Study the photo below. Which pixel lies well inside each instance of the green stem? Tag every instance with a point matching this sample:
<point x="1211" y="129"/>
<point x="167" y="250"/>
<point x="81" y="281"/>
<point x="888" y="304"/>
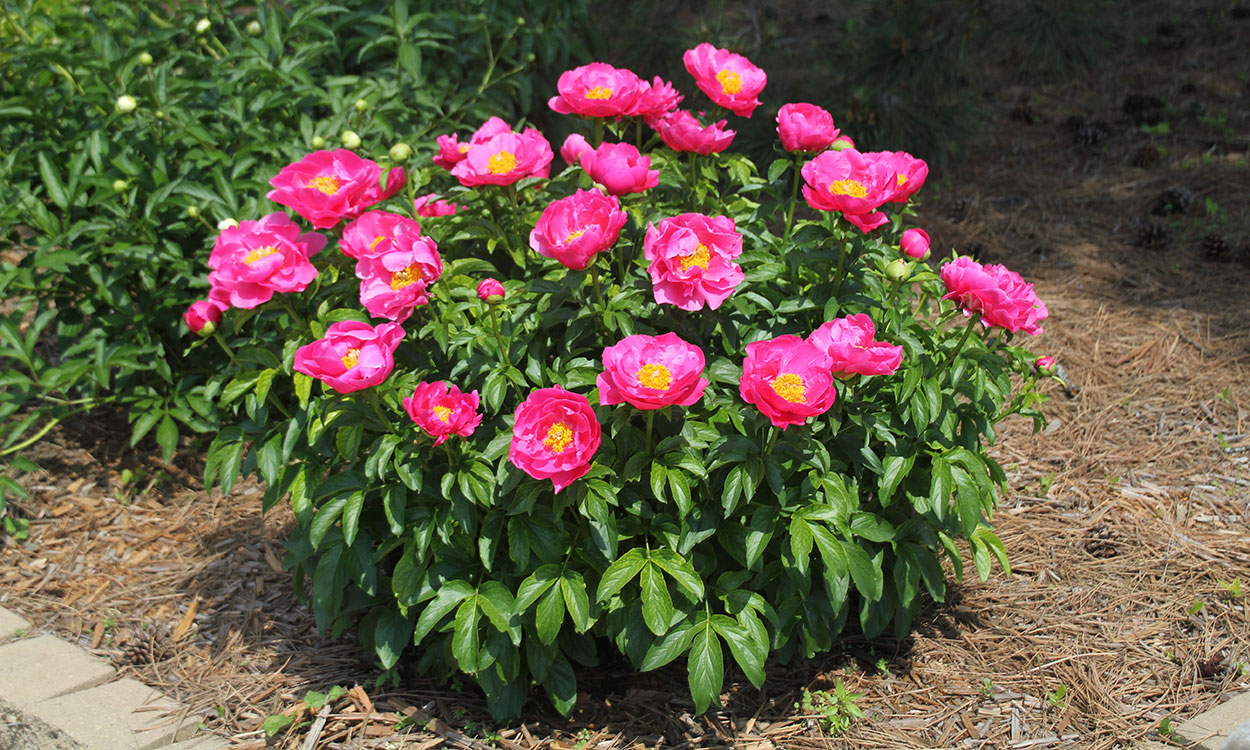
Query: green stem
<point x="494" y="321"/>
<point x="598" y="131"/>
<point x="221" y="341"/>
<point x="963" y="340"/>
<point x="650" y="420"/>
<point x="794" y="200"/>
<point x="594" y="281"/>
<point x="840" y="273"/>
<point x="291" y="310"/>
<point x="772" y="440"/>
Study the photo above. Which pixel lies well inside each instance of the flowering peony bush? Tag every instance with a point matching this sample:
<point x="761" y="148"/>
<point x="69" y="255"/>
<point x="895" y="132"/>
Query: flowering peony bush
<point x="637" y="402"/>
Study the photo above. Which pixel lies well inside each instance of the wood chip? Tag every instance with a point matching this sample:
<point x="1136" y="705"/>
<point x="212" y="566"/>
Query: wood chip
<point x="184" y="625"/>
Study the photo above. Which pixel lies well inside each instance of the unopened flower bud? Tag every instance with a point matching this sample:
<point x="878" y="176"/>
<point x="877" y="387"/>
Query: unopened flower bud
<point x="842" y="144"/>
<point x="915" y="244"/>
<point x="193" y="211"/>
<point x="119" y="186"/>
<point x="253" y="28"/>
<point x="126" y="103"/>
<point x="899" y="270"/>
<point x="203" y="25"/>
<point x="490" y="291"/>
<point x="227" y="223"/>
<point x="350" y="139"/>
<point x="520" y="20"/>
<point x="318" y="142"/>
<point x="202" y="317"/>
<point x="531" y="57"/>
<point x="400" y="153"/>
<point x="361" y="105"/>
<point x="1045" y="365"/>
<point x="145" y="58"/>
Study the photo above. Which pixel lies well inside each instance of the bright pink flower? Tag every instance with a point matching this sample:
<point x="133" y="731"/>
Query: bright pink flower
<point x="257" y="258"/>
<point x="849" y="343"/>
<point x="450" y="151"/>
<point x="504" y="157"/>
<point x="327" y="186"/>
<point x="805" y="127"/>
<point x="730" y="80"/>
<point x="490" y="290"/>
<point x="597" y="90"/>
<point x="787" y="379"/>
<point x="620" y="168"/>
<point x="352" y="356"/>
<point x="651" y="372"/>
<point x="915" y="243"/>
<point x="680" y="131"/>
<point x="377" y="232"/>
<point x="393" y="281"/>
<point x="442" y="410"/>
<point x="574" y="146"/>
<point x="909" y="174"/>
<point x="849" y="182"/>
<point x="202" y="317"/>
<point x="1045" y="365"/>
<point x="430" y="205"/>
<point x="1000" y="296"/>
<point x="554" y="436"/>
<point x="692" y="260"/>
<point x="574" y="229"/>
<point x="658" y="98"/>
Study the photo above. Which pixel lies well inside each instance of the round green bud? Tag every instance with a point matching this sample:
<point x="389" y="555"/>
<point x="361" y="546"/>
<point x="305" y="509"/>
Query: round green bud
<point x="318" y="142"/>
<point x="227" y="223"/>
<point x="203" y="25"/>
<point x="520" y="20"/>
<point x="400" y="153"/>
<point x="160" y="114"/>
<point x="531" y="57"/>
<point x="193" y="211"/>
<point x="350" y="139"/>
<point x="253" y="28"/>
<point x="119" y="186"/>
<point x="145" y="58"/>
<point x="126" y="103"/>
<point x="898" y="270"/>
<point x="361" y="105"/>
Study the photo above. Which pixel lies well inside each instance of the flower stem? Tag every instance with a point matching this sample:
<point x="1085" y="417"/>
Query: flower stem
<point x="598" y="135"/>
<point x="225" y="347"/>
<point x="772" y="440"/>
<point x="794" y="200"/>
<point x="650" y="420"/>
<point x="494" y="321"/>
<point x="594" y="281"/>
<point x="291" y="310"/>
<point x="963" y="340"/>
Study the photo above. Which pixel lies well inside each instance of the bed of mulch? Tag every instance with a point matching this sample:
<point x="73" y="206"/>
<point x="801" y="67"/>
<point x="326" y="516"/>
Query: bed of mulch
<point x="1128" y="518"/>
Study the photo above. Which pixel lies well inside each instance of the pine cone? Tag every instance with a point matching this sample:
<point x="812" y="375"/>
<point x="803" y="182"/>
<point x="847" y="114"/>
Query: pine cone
<point x="1151" y="234"/>
<point x="1172" y="201"/>
<point x="1145" y="156"/>
<point x="1216" y="248"/>
<point x="958" y="211"/>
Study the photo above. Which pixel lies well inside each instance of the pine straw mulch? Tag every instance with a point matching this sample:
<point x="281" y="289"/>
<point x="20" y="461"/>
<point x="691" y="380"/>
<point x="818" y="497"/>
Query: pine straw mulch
<point x="1125" y="519"/>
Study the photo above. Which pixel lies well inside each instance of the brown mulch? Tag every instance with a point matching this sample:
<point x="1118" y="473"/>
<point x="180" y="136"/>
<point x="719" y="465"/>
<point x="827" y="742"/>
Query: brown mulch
<point x="1126" y="518"/>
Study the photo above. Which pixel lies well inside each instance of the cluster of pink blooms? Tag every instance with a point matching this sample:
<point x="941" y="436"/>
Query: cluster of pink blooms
<point x="691" y="260"/>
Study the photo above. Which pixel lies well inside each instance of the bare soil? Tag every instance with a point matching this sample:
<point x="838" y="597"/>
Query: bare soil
<point x="1128" y="518"/>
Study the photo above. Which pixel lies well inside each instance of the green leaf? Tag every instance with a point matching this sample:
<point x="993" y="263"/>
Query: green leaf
<point x="549" y="615"/>
<point x="668" y="647"/>
<point x="275" y="724"/>
<point x="303" y="388"/>
<point x="347" y="441"/>
<point x="449" y="595"/>
<point x="325" y="518"/>
<point x="865" y="571"/>
<point x="681" y="491"/>
<point x="466" y="641"/>
<point x="745" y="650"/>
<point x="658" y="476"/>
<point x="497" y="604"/>
<point x="351" y="516"/>
<point x="706" y="667"/>
<point x="620" y="573"/>
<point x="390" y="636"/>
<point x="52" y="183"/>
<point x="167" y="438"/>
<point x="314" y="699"/>
<point x="561" y="685"/>
<point x="657" y="603"/>
<point x="681" y="571"/>
<point x="800" y="544"/>
<point x="872" y="527"/>
<point x="573" y="586"/>
<point x="534" y="586"/>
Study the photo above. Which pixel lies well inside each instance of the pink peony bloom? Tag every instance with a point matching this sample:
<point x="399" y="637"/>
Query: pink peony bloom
<point x="352" y="356"/>
<point x="574" y="146"/>
<point x="450" y="151"/>
<point x="849" y="344"/>
<point x="680" y="131"/>
<point x="393" y="281"/>
<point x="202" y="317"/>
<point x="257" y="258"/>
<point x="915" y="244"/>
<point x="909" y="174"/>
<point x="658" y="98"/>
<point x="377" y="232"/>
<point x="850" y="182"/>
<point x="490" y="291"/>
<point x="620" y="168"/>
<point x="787" y="379"/>
<point x="554" y="436"/>
<point x="651" y="372"/>
<point x="597" y="90"/>
<point x="430" y="205"/>
<point x="999" y="296"/>
<point x="327" y="186"/>
<point x="805" y="127"/>
<point x="576" y="228"/>
<point x="730" y="80"/>
<point x="692" y="260"/>
<point x="442" y="410"/>
<point x="498" y="156"/>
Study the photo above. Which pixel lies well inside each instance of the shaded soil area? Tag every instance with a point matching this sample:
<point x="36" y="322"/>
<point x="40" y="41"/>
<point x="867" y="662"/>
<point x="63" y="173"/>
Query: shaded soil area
<point x="1128" y="518"/>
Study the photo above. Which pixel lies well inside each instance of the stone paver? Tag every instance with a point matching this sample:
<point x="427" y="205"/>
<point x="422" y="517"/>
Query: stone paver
<point x="107" y="717"/>
<point x="36" y="669"/>
<point x="207" y="742"/>
<point x="11" y="625"/>
<point x="1209" y="730"/>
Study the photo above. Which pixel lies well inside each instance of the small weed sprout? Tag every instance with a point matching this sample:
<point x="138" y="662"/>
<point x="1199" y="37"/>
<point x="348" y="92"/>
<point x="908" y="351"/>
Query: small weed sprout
<point x="1057" y="698"/>
<point x="1232" y="588"/>
<point x="987" y="687"/>
<point x="835" y="710"/>
<point x="1196" y="607"/>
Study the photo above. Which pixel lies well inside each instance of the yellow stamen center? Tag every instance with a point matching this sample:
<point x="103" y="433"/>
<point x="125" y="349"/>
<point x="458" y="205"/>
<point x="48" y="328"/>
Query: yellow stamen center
<point x="325" y="183"/>
<point x="464" y="148"/>
<point x="349" y="359"/>
<point x="443" y="413"/>
<point x="730" y="82"/>
<point x="575" y="235"/>
<point x="853" y="188"/>
<point x="258" y="253"/>
<point x="599" y="92"/>
<point x="376" y="240"/>
<point x="902" y="179"/>
<point x="790" y="387"/>
<point x="656" y="377"/>
<point x="501" y="163"/>
<point x="558" y="437"/>
<point x="405" y="277"/>
<point x="700" y="257"/>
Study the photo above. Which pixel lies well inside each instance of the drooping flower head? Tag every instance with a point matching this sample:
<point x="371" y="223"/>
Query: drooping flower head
<point x="442" y="410"/>
<point x="998" y="295"/>
<point x="554" y="436"/>
<point x="849" y="343"/>
<point x="619" y="168"/>
<point x="728" y="79"/>
<point x="849" y="182"/>
<point x="257" y="258"/>
<point x="681" y="131"/>
<point x="597" y="90"/>
<point x="915" y="243"/>
<point x="430" y="204"/>
<point x="805" y="127"/>
<point x="377" y="232"/>
<point x="504" y="157"/>
<point x="651" y="372"/>
<point x="352" y="355"/>
<point x="576" y="228"/>
<point x="787" y="379"/>
<point x="327" y="186"/>
<point x="658" y="98"/>
<point x="692" y="260"/>
<point x="393" y="281"/>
